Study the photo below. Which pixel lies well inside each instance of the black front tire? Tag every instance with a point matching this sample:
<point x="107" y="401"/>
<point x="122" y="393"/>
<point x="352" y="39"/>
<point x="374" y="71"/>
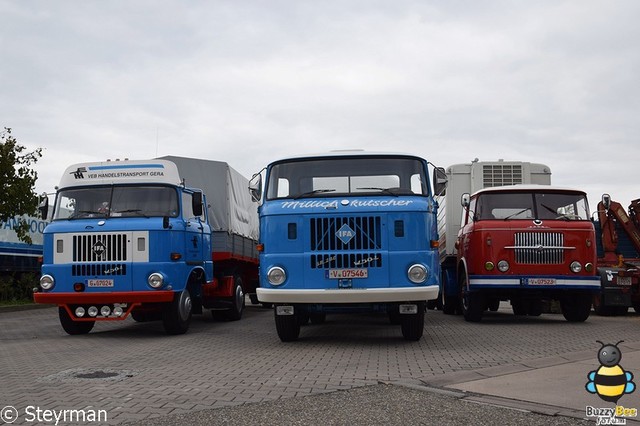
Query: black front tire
<point x="413" y="324"/>
<point x="72" y="327"/>
<point x="472" y="303"/>
<point x="287" y="326"/>
<point x="576" y="307"/>
<point x="176" y="315"/>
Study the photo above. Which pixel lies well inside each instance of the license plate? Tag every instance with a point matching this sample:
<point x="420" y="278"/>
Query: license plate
<point x="541" y="281"/>
<point x="99" y="283"/>
<point x="625" y="281"/>
<point x="339" y="274"/>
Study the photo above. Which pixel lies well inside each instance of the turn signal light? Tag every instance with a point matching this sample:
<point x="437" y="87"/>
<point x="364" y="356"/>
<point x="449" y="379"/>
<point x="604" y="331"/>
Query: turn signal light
<point x="260" y="247"/>
<point x="176" y="256"/>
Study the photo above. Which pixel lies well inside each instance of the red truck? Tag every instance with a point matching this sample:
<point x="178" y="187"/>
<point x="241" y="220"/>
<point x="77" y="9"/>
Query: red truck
<point x="516" y="239"/>
<point x="618" y="243"/>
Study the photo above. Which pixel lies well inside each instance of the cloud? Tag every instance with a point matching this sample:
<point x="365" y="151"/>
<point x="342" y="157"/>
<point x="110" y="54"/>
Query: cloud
<point x="249" y="82"/>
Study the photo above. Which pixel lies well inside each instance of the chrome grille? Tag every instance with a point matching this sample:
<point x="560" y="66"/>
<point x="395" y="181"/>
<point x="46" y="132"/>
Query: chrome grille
<point x="100" y="248"/>
<point x="366" y="233"/>
<point x="346" y="260"/>
<point x="539" y="248"/>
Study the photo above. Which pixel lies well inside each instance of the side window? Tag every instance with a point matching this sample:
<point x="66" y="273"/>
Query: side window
<point x="187" y="211"/>
<point x="468" y="214"/>
<point x="283" y="188"/>
<point x="416" y="184"/>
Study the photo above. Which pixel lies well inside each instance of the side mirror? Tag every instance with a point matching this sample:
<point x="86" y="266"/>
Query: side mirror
<point x="197" y="204"/>
<point x="465" y="200"/>
<point x="439" y="181"/>
<point x="43" y="206"/>
<point x="255" y="187"/>
<point x="606" y="201"/>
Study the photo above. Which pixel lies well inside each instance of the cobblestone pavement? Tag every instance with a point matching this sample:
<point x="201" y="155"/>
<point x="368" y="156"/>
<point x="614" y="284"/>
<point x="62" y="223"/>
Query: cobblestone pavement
<point x="134" y="371"/>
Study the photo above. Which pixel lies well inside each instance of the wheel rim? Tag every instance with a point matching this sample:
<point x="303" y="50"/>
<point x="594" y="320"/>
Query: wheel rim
<point x="464" y="295"/>
<point x="185" y="305"/>
<point x="239" y="298"/>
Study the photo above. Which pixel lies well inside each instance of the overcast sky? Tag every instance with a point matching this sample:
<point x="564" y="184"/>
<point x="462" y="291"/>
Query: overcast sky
<point x="247" y="82"/>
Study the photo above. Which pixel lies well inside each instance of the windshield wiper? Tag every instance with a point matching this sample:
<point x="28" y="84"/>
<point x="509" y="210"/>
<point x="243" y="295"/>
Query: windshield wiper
<point x="83" y="213"/>
<point x="517" y="213"/>
<point x="132" y="211"/>
<point x="385" y="190"/>
<point x="315" y="191"/>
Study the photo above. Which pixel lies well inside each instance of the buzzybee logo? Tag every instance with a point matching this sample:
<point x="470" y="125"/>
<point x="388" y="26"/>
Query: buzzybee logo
<point x="610" y="382"/>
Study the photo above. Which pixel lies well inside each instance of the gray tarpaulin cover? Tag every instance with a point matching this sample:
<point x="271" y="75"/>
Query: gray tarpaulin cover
<point x="231" y="208"/>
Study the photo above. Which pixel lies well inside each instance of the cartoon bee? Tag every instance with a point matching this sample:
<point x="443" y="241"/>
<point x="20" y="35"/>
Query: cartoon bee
<point x="610" y="381"/>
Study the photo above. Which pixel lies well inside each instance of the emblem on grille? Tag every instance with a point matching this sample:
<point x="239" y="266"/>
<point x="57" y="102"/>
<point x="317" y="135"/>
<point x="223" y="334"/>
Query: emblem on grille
<point x="98" y="248"/>
<point x="345" y="234"/>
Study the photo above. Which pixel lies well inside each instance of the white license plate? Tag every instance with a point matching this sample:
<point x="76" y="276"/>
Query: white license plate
<point x="541" y="281"/>
<point x="625" y="281"/>
<point x="339" y="274"/>
<point x="99" y="283"/>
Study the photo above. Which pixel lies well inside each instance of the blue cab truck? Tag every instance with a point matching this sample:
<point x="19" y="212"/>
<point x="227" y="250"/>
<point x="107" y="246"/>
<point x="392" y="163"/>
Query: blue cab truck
<point x="347" y="232"/>
<point x="156" y="239"/>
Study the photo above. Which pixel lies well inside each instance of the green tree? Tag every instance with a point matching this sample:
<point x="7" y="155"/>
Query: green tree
<point x="17" y="195"/>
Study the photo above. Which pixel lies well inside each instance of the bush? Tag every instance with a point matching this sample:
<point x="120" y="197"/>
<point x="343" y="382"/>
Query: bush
<point x="17" y="287"/>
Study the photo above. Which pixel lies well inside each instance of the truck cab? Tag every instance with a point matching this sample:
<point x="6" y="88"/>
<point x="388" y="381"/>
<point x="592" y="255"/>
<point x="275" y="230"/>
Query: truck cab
<point x="525" y="244"/>
<point x="126" y="237"/>
<point x="347" y="232"/>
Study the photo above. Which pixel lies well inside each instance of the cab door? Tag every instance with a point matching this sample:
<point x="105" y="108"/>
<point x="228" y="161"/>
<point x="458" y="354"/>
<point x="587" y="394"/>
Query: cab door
<point x="196" y="228"/>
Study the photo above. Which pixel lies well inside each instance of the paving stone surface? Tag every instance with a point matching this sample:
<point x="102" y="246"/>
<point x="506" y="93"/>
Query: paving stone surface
<point x="135" y="372"/>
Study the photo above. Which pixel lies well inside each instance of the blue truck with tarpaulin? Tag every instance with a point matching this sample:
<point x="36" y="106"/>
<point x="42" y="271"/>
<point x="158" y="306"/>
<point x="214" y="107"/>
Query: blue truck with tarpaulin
<point x="156" y="239"/>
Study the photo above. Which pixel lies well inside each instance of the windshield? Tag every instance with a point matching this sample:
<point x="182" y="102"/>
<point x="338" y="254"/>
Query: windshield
<point x="526" y="205"/>
<point x="116" y="201"/>
<point x="347" y="176"/>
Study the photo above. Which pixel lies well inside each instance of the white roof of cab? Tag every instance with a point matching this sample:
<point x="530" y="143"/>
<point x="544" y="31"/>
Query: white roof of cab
<point x="120" y="172"/>
<point x="528" y="188"/>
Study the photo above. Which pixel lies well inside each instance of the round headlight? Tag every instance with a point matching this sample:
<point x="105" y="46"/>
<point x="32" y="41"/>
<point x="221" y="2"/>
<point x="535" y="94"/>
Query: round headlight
<point x="47" y="282"/>
<point x="105" y="311"/>
<point x="117" y="311"/>
<point x="503" y="266"/>
<point x="417" y="273"/>
<point x="489" y="266"/>
<point x="276" y="276"/>
<point x="155" y="280"/>
<point x="80" y="311"/>
<point x="576" y="266"/>
<point x="588" y="267"/>
<point x="92" y="311"/>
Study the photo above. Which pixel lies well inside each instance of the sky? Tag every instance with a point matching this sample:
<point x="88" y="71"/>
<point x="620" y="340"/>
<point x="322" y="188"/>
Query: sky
<point x="249" y="82"/>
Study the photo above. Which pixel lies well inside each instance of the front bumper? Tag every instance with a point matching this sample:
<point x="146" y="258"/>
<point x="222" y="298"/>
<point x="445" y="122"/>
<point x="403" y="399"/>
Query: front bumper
<point x="542" y="283"/>
<point x="117" y="297"/>
<point x="369" y="295"/>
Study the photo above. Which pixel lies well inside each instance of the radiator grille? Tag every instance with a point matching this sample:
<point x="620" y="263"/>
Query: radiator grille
<point x="539" y="248"/>
<point x="99" y="269"/>
<point x="346" y="260"/>
<point x="100" y="248"/>
<point x="356" y="233"/>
